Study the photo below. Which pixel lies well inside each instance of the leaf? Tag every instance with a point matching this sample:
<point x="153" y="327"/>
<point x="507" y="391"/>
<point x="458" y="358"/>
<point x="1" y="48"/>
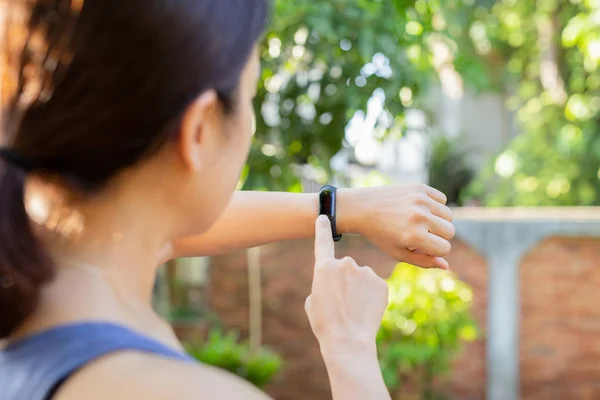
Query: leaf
<point x="225" y="351"/>
<point x="427" y="318"/>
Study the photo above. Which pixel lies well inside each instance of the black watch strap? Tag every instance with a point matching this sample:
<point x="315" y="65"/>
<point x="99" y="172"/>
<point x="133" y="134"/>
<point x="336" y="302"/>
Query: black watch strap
<point x="327" y="206"/>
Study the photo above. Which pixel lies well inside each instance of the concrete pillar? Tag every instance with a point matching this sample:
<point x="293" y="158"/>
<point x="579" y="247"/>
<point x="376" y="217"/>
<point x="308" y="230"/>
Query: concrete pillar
<point x="503" y="245"/>
<point x="503" y="237"/>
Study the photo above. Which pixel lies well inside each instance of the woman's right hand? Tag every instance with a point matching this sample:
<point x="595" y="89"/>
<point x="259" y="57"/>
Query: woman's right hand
<point x="347" y="302"/>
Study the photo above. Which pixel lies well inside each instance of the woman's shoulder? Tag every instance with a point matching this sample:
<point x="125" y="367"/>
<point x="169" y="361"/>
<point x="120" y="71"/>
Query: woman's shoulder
<point x="149" y="376"/>
<point x="102" y="360"/>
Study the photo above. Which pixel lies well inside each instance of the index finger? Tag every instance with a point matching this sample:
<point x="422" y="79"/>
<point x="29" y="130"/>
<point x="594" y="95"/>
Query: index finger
<point x="324" y="248"/>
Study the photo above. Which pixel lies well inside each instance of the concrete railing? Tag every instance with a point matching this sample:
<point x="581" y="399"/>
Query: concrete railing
<point x="503" y="236"/>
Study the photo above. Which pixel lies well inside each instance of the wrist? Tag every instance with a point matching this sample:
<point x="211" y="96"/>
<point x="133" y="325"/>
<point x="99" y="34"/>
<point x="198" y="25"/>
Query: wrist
<point x="349" y="211"/>
<point x="353" y="369"/>
<point x="350" y="359"/>
<point x="336" y="348"/>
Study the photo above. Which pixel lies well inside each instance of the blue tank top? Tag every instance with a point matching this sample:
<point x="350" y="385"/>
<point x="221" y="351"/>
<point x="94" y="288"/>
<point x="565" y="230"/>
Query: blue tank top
<point x="33" y="368"/>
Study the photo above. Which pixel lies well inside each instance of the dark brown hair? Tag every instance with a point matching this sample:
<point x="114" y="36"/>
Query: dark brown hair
<point x="109" y="85"/>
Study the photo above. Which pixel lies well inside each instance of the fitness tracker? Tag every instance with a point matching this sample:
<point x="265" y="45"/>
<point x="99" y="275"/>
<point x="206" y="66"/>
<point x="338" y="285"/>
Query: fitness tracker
<point x="327" y="200"/>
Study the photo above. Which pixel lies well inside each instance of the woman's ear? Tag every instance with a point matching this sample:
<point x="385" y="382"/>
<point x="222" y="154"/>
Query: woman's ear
<point x="199" y="128"/>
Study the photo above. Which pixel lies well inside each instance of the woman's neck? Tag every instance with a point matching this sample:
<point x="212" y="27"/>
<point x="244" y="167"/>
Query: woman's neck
<point x="106" y="273"/>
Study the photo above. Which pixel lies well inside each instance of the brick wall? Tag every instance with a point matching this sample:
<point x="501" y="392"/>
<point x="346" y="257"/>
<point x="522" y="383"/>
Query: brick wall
<point x="560" y="320"/>
<point x="559" y="349"/>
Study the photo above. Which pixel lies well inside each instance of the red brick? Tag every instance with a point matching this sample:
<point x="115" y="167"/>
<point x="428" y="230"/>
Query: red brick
<point x="560" y="345"/>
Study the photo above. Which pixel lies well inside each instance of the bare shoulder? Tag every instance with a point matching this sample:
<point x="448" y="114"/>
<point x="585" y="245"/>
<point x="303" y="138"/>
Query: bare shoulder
<point x="132" y="375"/>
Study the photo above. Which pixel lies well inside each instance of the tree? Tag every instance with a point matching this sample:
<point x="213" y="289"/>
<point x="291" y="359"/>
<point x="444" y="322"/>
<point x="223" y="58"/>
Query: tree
<point x="322" y="61"/>
<point x="546" y="55"/>
<point x="556" y="60"/>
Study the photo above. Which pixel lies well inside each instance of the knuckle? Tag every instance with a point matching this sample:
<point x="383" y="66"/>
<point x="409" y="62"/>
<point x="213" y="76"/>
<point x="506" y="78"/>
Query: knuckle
<point x="417" y="215"/>
<point x="368" y="271"/>
<point x="419" y="198"/>
<point x="347" y="261"/>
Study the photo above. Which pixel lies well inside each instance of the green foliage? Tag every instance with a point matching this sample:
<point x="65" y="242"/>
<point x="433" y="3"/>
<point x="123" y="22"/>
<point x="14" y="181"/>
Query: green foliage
<point x="546" y="56"/>
<point x="227" y="352"/>
<point x="427" y="319"/>
<point x="321" y="63"/>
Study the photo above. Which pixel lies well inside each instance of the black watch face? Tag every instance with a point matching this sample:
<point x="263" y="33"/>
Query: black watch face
<point x="326" y="202"/>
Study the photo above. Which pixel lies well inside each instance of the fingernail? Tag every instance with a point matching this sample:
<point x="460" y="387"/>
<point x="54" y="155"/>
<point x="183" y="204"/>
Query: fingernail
<point x="323" y="218"/>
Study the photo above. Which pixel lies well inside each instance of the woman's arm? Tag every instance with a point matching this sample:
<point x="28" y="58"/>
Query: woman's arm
<point x="256" y="218"/>
<point x="410" y="223"/>
<point x="345" y="309"/>
<point x="354" y="373"/>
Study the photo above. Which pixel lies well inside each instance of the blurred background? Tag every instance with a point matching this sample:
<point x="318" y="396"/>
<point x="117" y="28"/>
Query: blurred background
<point x="494" y="102"/>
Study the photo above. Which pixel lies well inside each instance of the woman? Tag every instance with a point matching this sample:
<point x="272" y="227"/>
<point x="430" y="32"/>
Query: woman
<point x="129" y="125"/>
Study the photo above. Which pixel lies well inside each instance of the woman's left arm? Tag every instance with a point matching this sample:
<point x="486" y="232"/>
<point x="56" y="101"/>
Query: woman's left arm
<point x="410" y="223"/>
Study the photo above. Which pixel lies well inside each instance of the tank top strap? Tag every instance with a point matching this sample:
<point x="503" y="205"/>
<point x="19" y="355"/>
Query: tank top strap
<point x="34" y="367"/>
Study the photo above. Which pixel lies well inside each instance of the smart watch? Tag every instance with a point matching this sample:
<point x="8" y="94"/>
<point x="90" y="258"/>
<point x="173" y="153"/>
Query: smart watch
<point x="327" y="203"/>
